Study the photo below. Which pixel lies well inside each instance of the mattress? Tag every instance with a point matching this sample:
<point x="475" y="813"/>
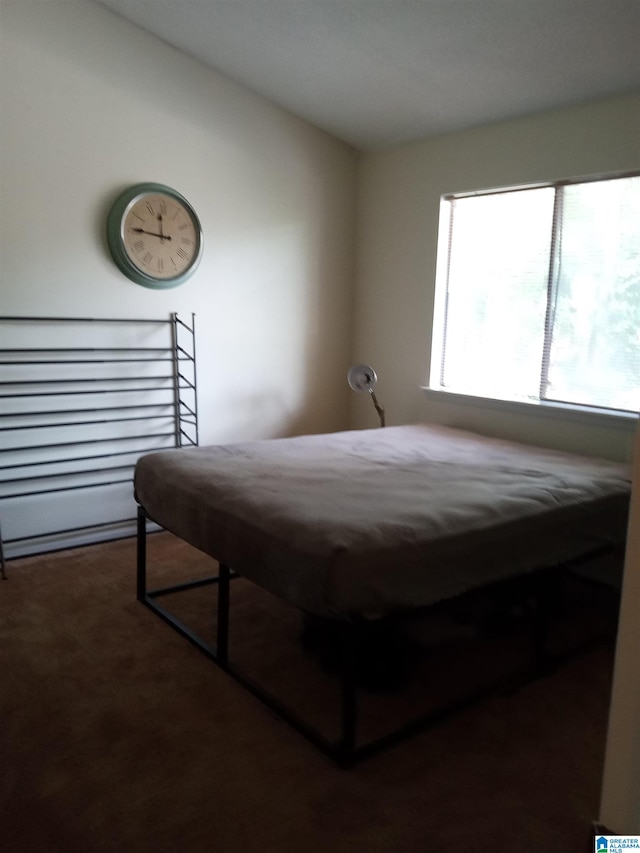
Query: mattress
<point x="368" y="522"/>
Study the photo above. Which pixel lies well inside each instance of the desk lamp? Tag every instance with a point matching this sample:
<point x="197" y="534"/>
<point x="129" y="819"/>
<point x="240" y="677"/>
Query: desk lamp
<point x="361" y="377"/>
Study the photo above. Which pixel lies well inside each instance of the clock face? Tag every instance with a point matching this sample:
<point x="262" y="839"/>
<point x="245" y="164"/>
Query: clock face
<point x="154" y="236"/>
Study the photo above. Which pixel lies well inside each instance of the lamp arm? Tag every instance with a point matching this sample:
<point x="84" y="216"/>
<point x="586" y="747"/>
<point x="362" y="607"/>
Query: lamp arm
<point x="379" y="409"/>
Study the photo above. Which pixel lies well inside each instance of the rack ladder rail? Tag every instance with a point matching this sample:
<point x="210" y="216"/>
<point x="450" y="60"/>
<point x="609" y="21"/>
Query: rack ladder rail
<point x="85" y="409"/>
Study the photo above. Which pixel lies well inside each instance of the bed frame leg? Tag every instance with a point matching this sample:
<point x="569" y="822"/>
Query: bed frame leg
<point x="345" y="753"/>
<point x="142" y="555"/>
<point x="222" y="639"/>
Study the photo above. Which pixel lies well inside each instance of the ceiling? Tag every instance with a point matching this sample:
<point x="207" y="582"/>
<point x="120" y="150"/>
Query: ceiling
<point x="377" y="73"/>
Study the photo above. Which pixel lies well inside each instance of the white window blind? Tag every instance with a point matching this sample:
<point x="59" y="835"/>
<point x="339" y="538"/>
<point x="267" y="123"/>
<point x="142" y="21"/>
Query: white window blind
<point x="542" y="295"/>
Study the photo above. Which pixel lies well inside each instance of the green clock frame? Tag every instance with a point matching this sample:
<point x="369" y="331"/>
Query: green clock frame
<point x="162" y="264"/>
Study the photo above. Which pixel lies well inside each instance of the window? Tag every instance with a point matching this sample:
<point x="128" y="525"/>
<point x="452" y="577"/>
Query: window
<point x="538" y="294"/>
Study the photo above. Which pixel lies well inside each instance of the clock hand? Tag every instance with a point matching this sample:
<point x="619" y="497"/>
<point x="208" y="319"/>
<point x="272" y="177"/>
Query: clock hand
<point x="151" y="233"/>
<point x="160" y="223"/>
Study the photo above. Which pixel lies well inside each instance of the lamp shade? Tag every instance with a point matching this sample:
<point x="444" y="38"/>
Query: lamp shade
<point x="361" y="377"/>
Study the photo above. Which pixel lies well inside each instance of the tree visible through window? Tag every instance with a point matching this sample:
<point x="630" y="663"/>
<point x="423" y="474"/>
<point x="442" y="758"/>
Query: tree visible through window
<point x="542" y="294"/>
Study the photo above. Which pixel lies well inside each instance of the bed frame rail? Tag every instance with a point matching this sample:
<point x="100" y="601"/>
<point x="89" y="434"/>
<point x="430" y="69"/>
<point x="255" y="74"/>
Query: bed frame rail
<point x="344" y="749"/>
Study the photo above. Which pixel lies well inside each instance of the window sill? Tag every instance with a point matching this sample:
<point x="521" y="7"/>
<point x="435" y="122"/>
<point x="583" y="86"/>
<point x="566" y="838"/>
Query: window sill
<point x="611" y="419"/>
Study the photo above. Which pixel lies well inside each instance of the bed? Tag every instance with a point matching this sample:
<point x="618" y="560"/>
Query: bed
<point x="367" y="524"/>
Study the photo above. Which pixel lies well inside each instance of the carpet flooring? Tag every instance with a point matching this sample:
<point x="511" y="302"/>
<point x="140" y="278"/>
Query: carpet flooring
<point x="118" y="736"/>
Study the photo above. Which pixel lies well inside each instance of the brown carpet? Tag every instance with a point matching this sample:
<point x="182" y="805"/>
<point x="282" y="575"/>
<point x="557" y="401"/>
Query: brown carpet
<point x="118" y="735"/>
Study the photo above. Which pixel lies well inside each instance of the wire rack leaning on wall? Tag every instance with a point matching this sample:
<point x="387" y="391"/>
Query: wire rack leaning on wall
<point x="81" y="400"/>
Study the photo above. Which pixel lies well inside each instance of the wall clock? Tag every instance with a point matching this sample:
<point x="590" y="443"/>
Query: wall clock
<point x="154" y="235"/>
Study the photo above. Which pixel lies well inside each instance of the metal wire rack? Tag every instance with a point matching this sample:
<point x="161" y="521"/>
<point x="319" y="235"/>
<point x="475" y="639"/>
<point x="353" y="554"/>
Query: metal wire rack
<point x="81" y="399"/>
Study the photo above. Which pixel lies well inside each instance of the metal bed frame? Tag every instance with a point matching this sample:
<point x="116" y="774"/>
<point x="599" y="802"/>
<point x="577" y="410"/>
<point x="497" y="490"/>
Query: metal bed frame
<point x="70" y="387"/>
<point x="345" y="750"/>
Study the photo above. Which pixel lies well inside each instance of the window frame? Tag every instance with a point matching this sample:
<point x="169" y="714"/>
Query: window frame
<point x="547" y="408"/>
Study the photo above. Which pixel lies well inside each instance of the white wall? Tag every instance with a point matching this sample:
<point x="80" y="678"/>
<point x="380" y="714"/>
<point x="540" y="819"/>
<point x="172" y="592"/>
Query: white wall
<point x="620" y="803"/>
<point x="399" y="200"/>
<point x="90" y="104"/>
